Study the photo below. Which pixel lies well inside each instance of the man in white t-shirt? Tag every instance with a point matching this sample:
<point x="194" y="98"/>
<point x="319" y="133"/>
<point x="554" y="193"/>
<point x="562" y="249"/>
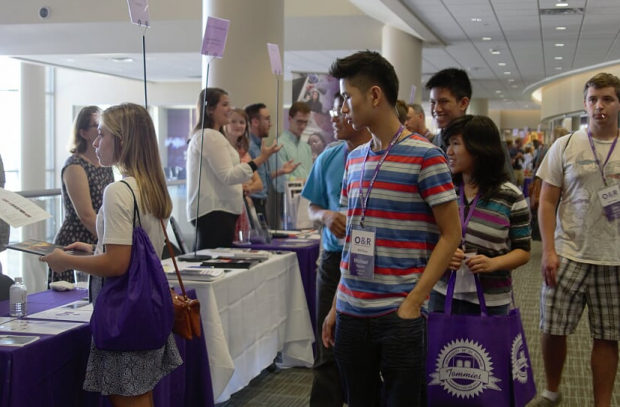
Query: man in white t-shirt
<point x="581" y="261"/>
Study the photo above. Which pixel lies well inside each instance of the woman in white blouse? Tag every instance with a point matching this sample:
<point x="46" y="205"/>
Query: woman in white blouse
<point x="215" y="174"/>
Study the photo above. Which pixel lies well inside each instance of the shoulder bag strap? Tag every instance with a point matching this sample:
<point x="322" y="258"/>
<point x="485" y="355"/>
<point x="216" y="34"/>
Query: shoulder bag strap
<point x="136" y="212"/>
<point x="174" y="260"/>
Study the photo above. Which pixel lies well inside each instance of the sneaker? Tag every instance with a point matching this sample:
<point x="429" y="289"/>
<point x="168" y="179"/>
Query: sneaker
<point x="540" y="401"/>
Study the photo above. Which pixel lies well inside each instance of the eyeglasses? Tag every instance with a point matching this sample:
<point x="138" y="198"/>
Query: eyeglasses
<point x="335" y="113"/>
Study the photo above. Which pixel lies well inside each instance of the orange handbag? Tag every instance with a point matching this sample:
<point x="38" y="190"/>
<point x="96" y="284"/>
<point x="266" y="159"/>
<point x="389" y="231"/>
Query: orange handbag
<point x="186" y="310"/>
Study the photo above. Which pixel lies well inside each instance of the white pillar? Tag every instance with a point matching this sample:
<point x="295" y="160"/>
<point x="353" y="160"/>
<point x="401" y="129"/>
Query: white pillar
<point x="32" y="171"/>
<point x="33" y="164"/>
<point x="244" y="71"/>
<point x="404" y="52"/>
<point x="479" y="107"/>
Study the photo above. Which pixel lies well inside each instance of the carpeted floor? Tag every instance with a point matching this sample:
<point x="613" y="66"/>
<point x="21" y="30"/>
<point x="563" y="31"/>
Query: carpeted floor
<point x="291" y="387"/>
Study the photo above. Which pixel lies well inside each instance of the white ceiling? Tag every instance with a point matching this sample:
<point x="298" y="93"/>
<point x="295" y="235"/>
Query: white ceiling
<point x="525" y="37"/>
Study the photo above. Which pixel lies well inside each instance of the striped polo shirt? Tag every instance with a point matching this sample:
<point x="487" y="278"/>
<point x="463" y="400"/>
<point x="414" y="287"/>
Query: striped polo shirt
<point x="414" y="178"/>
<point x="496" y="227"/>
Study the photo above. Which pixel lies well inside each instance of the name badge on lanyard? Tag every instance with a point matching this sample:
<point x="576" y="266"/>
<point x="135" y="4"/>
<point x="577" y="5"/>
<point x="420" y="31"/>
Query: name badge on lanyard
<point x="610" y="195"/>
<point x="362" y="262"/>
<point x="363" y="238"/>
<point x="610" y="199"/>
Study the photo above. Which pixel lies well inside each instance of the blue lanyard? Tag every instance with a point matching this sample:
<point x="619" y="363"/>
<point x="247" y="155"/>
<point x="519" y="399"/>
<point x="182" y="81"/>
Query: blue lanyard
<point x="364" y="200"/>
<point x="465" y="220"/>
<point x="598" y="163"/>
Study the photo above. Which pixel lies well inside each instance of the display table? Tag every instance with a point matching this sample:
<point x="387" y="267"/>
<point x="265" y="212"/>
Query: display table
<point x="251" y="315"/>
<point x="50" y="372"/>
<point x="307" y="255"/>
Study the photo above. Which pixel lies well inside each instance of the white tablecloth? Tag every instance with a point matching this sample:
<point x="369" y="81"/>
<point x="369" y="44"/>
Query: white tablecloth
<point x="250" y="315"/>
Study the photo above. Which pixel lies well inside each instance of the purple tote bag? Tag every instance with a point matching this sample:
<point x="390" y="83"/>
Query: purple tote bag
<point x="133" y="312"/>
<point x="523" y="388"/>
<point x="468" y="359"/>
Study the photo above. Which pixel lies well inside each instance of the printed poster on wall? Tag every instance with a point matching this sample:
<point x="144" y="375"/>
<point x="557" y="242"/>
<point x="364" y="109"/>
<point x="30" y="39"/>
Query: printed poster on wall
<point x="317" y="90"/>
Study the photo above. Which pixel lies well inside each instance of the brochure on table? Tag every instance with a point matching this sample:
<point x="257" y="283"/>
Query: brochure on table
<point x="28" y="326"/>
<point x="78" y="311"/>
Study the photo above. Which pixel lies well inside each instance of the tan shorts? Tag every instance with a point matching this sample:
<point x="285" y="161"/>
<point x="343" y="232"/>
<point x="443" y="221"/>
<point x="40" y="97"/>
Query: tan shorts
<point x="578" y="285"/>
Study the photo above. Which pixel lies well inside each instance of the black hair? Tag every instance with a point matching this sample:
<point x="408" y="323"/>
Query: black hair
<point x="453" y="79"/>
<point x="365" y="69"/>
<point x="253" y="110"/>
<point x="482" y="140"/>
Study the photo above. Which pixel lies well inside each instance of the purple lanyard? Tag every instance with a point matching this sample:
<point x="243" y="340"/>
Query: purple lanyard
<point x="598" y="163"/>
<point x="363" y="200"/>
<point x="465" y="220"/>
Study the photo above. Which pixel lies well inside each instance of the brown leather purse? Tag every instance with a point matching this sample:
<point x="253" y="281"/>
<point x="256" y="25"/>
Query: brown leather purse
<point x="186" y="310"/>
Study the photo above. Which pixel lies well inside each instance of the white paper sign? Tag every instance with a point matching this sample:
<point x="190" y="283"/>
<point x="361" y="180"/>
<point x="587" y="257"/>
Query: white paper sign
<point x="214" y="41"/>
<point x="139" y="12"/>
<point x="412" y="95"/>
<point x="538" y="130"/>
<point x="515" y="132"/>
<point x="18" y="211"/>
<point x="274" y="58"/>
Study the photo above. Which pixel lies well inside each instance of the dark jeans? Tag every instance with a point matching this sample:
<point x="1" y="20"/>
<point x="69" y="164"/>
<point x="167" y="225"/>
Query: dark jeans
<point x="327" y="385"/>
<point x="459" y="307"/>
<point x="215" y="229"/>
<point x="389" y="345"/>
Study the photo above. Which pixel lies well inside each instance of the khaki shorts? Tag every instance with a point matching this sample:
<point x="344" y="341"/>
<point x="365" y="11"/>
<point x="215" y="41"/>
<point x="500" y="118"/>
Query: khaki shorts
<point x="578" y="285"/>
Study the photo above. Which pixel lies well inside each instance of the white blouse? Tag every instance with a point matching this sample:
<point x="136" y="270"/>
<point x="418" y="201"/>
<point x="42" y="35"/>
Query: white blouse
<point x="222" y="175"/>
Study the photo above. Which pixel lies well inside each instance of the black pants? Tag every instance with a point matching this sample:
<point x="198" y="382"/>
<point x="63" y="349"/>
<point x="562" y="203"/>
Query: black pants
<point x="215" y="229"/>
<point x="327" y="388"/>
<point x="260" y="206"/>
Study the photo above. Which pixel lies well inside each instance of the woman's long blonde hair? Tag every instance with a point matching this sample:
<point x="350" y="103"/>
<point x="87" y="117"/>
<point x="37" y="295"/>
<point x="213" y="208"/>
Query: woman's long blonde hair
<point x="137" y="155"/>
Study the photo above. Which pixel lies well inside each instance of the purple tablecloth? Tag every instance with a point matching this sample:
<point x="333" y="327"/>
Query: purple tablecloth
<point x="307" y="255"/>
<point x="50" y="372"/>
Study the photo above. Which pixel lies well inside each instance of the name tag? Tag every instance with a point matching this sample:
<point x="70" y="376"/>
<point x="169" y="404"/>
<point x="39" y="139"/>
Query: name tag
<point x="362" y="259"/>
<point x="610" y="199"/>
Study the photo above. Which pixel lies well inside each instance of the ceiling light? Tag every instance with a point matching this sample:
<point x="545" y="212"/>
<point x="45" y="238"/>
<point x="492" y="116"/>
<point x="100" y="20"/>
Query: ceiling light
<point x="561" y="4"/>
<point x="506" y="73"/>
<point x="476" y="20"/>
<point x="515" y="86"/>
<point x="560" y="28"/>
<point x="501" y="64"/>
<point x="122" y="59"/>
<point x="498" y="91"/>
<point x="70" y="60"/>
<point x="486" y="38"/>
<point x="494" y="52"/>
<point x="558" y="58"/>
<point x="558" y="68"/>
<point x="511" y="80"/>
<point x="559" y="44"/>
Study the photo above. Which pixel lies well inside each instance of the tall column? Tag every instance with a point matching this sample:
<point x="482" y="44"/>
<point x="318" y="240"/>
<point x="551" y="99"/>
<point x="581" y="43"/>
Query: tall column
<point x="479" y="107"/>
<point x="32" y="170"/>
<point x="244" y="71"/>
<point x="404" y="52"/>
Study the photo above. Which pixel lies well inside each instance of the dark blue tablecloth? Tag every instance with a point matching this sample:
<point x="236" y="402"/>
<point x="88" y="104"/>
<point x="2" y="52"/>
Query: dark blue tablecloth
<point x="307" y="255"/>
<point x="50" y="372"/>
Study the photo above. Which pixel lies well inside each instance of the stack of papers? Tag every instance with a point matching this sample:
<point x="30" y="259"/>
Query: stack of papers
<point x="240" y="253"/>
<point x="78" y="311"/>
<point x="37" y="327"/>
<point x="198" y="273"/>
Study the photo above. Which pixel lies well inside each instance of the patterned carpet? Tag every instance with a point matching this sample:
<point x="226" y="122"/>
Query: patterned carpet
<point x="291" y="387"/>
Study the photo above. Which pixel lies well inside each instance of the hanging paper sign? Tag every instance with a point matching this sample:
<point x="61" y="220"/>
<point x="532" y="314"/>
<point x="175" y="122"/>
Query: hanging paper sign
<point x="139" y="12"/>
<point x="412" y="95"/>
<point x="538" y="130"/>
<point x="274" y="58"/>
<point x="214" y="41"/>
<point x="515" y="132"/>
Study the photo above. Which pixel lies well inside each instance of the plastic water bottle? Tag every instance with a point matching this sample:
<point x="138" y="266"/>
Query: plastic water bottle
<point x="18" y="299"/>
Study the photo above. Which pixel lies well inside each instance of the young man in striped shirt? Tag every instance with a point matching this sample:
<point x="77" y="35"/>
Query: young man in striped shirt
<point x="402" y="229"/>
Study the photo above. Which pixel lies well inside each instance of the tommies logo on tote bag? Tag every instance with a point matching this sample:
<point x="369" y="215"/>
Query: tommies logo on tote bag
<point x="464" y="369"/>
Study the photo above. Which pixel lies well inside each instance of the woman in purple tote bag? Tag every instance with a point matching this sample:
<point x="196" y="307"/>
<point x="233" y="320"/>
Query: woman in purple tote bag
<point x="494" y="215"/>
<point x="126" y="140"/>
